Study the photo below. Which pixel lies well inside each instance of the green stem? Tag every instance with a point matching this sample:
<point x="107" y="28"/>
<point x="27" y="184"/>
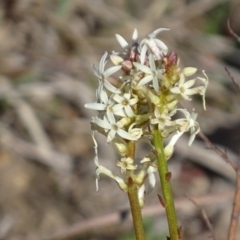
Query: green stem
<point x="166" y="185"/>
<point x="136" y="210"/>
<point x="133" y="199"/>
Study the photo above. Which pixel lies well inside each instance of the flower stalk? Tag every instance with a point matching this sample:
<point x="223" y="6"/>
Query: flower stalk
<point x="166" y="185"/>
<point x="133" y="198"/>
<point x="143" y="103"/>
<point x="135" y="210"/>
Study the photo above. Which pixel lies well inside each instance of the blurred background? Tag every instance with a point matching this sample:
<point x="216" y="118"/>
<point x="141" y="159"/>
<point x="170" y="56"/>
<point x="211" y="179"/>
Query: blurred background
<point x="47" y="173"/>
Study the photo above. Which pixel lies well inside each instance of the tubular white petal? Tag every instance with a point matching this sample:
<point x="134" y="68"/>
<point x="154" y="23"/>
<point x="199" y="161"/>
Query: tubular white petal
<point x="152" y="63"/>
<point x="111" y="135"/>
<point x="135" y="35"/>
<point x="141" y="192"/>
<point x="126" y="135"/>
<point x="95" y="148"/>
<point x="107" y="172"/>
<point x="120" y="112"/>
<point x="118" y="98"/>
<point x="155" y="84"/>
<point x="95" y="71"/>
<point x="182" y="80"/>
<point x="122" y="41"/>
<point x="192" y="91"/>
<point x="206" y="82"/>
<point x="127" y="95"/>
<point x="154" y="48"/>
<point x="96" y="156"/>
<point x="168" y="150"/>
<point x="102" y="95"/>
<point x="129" y="111"/>
<point x="95" y="106"/>
<point x="102" y="62"/>
<point x="117" y="107"/>
<point x="111" y="88"/>
<point x="112" y="120"/>
<point x="193" y="133"/>
<point x="145" y="80"/>
<point x="133" y="101"/>
<point x="111" y="70"/>
<point x="189" y="83"/>
<point x="161" y="45"/>
<point x="143" y="54"/>
<point x="142" y="67"/>
<point x="175" y="138"/>
<point x="151" y="177"/>
<point x="175" y="90"/>
<point x="101" y="123"/>
<point x="157" y="31"/>
<point x="121" y="183"/>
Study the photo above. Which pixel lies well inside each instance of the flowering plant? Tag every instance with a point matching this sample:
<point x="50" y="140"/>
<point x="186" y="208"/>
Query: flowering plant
<point x="143" y="102"/>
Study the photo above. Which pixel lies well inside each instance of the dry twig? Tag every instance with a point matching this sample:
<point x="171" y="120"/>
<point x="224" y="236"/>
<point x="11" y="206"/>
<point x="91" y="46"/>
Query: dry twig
<point x="236" y="208"/>
<point x="233" y="79"/>
<point x="116" y="218"/>
<point x="216" y="149"/>
<point x="56" y="160"/>
<point x="205" y="217"/>
<point x="232" y="32"/>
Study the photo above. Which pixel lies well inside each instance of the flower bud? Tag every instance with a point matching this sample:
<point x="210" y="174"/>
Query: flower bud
<point x="135" y="132"/>
<point x="189" y="71"/>
<point x="120" y="146"/>
<point x="149" y="94"/>
<point x="140" y="119"/>
<point x="116" y="60"/>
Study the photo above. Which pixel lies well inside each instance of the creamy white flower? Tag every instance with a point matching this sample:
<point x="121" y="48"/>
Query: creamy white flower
<point x="126" y="164"/>
<point x="146" y="175"/>
<point x="124" y="102"/>
<point x="136" y="132"/>
<point x="102" y="76"/>
<point x="163" y="118"/>
<point x="141" y="100"/>
<point x="130" y="50"/>
<point x="105" y="107"/>
<point x="168" y="150"/>
<point x="112" y="127"/>
<point x="188" y="123"/>
<point x="102" y="170"/>
<point x="204" y="89"/>
<point x="156" y="46"/>
<point x="184" y="88"/>
<point x="152" y="73"/>
<point x="124" y="44"/>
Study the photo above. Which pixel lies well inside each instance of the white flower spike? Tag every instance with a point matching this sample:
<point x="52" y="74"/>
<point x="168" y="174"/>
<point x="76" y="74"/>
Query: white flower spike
<point x="149" y="88"/>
